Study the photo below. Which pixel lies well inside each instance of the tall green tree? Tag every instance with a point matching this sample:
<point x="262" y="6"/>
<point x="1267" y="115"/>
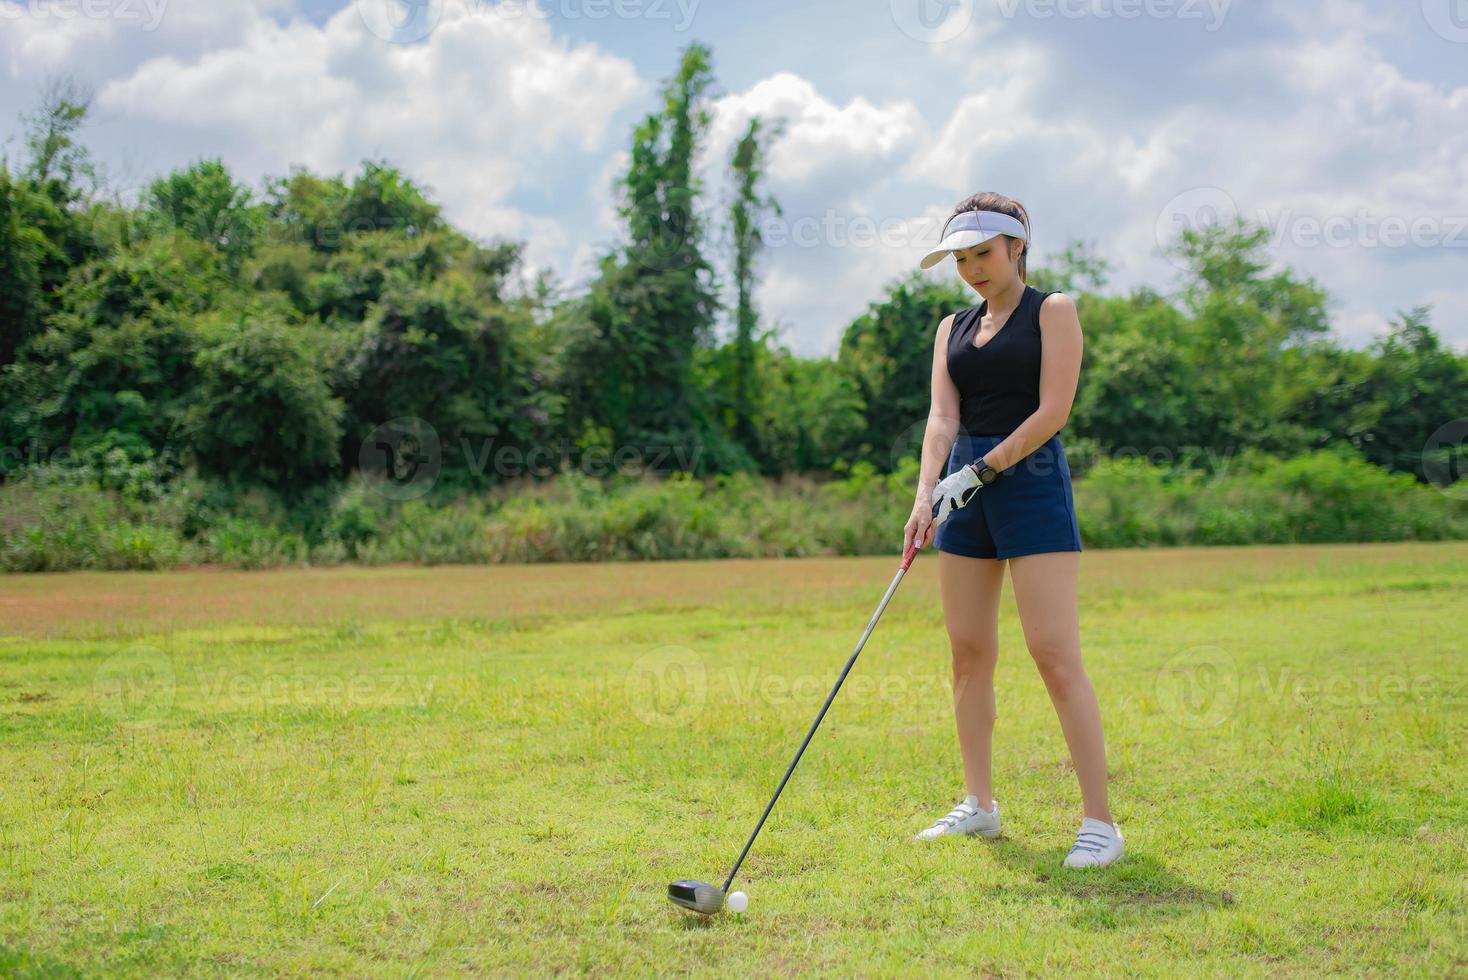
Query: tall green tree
<point x="1327" y="397"/>
<point x="113" y="364"/>
<point x="44" y="230"/>
<point x="25" y="252"/>
<point x="383" y="198"/>
<point x="323" y="212"/>
<point x="1416" y="386"/>
<point x="1077" y="269"/>
<point x="1138" y="383"/>
<point x="447" y="350"/>
<point x="630" y="342"/>
<point x="307" y="209"/>
<point x="749" y="205"/>
<point x="263" y="410"/>
<point x="806" y="415"/>
<point x="59" y="166"/>
<point x="204" y="202"/>
<point x="1243" y="319"/>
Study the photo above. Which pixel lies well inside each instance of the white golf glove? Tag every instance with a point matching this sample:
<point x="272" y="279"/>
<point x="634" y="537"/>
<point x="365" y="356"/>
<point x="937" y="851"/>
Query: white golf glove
<point x="954" y="491"/>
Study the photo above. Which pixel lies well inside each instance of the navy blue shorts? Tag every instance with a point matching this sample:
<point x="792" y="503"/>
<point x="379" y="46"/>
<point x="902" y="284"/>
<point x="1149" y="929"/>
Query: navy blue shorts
<point x="1028" y="510"/>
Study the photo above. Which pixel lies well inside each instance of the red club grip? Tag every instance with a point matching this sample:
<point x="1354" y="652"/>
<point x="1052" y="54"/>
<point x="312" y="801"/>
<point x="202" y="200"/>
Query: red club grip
<point x="912" y="551"/>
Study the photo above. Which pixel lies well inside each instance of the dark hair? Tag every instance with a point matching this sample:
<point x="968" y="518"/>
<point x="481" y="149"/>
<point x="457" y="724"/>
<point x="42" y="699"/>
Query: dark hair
<point x="991" y="201"/>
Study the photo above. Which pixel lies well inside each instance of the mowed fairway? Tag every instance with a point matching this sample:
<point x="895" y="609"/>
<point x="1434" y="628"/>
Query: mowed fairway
<point x="428" y="771"/>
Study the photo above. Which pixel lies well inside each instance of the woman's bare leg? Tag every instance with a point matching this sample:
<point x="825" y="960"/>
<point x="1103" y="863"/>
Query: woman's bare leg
<point x="971" y="588"/>
<point x="1045" y="592"/>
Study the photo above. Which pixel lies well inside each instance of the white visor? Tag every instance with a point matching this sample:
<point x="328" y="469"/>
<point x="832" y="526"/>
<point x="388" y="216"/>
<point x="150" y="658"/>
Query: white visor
<point x="969" y="228"/>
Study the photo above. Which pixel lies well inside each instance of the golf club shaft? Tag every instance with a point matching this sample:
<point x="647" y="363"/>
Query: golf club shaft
<point x="871" y="624"/>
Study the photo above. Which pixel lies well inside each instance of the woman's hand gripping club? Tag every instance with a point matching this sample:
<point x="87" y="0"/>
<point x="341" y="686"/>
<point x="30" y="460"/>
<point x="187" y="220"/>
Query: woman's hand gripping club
<point x="932" y="508"/>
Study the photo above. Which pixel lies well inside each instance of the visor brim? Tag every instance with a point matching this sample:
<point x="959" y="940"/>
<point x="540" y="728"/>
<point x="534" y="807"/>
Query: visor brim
<point x="966" y="238"/>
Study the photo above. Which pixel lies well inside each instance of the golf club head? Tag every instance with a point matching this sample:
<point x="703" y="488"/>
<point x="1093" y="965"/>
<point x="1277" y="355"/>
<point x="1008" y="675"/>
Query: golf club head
<point x="698" y="896"/>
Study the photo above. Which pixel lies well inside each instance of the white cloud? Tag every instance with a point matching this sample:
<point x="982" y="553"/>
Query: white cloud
<point x="1358" y="327"/>
<point x="832" y="281"/>
<point x="830" y="170"/>
<point x="1349" y="137"/>
<point x="821" y="139"/>
<point x="34" y="42"/>
<point x="1339" y="17"/>
<point x="484" y="107"/>
<point x="1369" y="147"/>
<point x="1303" y="113"/>
<point x="1449" y="317"/>
<point x="996" y="114"/>
<point x="482" y="91"/>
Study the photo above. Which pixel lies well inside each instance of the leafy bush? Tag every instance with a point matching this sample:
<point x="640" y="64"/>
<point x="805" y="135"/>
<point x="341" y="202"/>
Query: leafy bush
<point x="108" y="512"/>
<point x="264" y="410"/>
<point x="55" y="518"/>
<point x="1129" y="502"/>
<point x="1329" y="495"/>
<point x="245" y="543"/>
<point x="437" y="536"/>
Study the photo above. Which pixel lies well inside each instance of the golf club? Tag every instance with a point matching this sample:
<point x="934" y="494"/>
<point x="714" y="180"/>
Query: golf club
<point x="706" y="899"/>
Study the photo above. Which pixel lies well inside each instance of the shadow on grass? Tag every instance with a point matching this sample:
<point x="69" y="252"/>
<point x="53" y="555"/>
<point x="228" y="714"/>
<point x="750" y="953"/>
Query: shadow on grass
<point x="1136" y="890"/>
<point x="692" y="920"/>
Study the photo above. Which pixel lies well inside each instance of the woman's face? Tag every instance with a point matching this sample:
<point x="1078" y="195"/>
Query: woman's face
<point x="988" y="266"/>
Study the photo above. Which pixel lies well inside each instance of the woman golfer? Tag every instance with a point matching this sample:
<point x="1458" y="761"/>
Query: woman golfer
<point x="1004" y="378"/>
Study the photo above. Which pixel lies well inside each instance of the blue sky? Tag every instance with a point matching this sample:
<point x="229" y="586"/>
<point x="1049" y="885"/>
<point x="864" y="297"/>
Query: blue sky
<point x="1341" y="125"/>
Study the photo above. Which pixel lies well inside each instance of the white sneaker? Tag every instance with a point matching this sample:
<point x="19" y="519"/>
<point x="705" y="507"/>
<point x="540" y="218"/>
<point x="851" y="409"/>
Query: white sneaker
<point x="966" y="818"/>
<point x="1097" y="844"/>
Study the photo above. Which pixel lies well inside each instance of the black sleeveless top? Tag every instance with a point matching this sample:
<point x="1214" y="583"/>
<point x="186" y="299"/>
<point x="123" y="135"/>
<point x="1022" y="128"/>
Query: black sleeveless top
<point x="998" y="383"/>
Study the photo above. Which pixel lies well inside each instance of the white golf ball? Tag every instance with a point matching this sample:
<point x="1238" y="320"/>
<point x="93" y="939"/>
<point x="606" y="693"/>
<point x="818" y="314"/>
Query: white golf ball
<point x="738" y="902"/>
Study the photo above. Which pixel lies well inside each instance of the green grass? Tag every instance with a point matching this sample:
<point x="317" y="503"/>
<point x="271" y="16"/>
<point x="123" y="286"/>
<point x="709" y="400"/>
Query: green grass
<point x="411" y="771"/>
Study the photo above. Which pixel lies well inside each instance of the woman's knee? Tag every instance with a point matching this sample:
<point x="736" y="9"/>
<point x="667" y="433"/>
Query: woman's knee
<point x="972" y="652"/>
<point x="1059" y="665"/>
